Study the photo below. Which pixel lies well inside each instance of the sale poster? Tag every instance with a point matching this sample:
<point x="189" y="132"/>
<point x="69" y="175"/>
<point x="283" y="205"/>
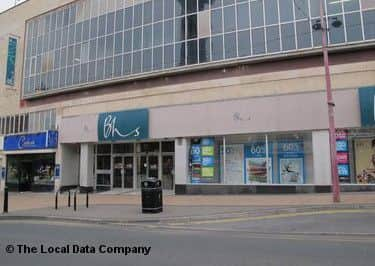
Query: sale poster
<point x="365" y="160"/>
<point x="291" y="162"/>
<point x="256" y="167"/>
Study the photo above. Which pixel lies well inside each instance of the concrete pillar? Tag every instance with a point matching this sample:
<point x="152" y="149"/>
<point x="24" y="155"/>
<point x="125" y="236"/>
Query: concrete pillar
<point x="321" y="157"/>
<point x="86" y="171"/>
<point x="181" y="160"/>
<point x="67" y="156"/>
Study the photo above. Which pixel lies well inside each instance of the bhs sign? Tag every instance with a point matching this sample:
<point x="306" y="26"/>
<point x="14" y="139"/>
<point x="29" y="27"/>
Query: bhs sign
<point x="124" y="125"/>
<point x="367" y="105"/>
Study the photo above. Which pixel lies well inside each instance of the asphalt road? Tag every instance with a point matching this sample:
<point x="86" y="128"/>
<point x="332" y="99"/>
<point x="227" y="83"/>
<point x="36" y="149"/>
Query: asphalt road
<point x="175" y="246"/>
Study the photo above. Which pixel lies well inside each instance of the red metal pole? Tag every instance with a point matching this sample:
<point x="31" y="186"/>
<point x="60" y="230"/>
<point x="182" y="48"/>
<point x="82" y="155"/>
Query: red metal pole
<point x="331" y="117"/>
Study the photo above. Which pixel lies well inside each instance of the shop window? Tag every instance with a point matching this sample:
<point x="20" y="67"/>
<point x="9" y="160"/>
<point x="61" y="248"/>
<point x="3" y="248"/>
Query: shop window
<point x="103" y="162"/>
<point x="167" y="146"/>
<point x="123" y="148"/>
<point x="149" y="147"/>
<point x="103" y="149"/>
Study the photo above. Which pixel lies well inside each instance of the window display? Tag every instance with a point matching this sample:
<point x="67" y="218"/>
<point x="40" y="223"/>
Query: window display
<point x="365" y="160"/>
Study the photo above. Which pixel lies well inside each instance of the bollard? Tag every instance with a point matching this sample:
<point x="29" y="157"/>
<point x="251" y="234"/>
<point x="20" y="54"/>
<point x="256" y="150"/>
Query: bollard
<point x="75" y="201"/>
<point x="5" y="210"/>
<point x="56" y="200"/>
<point x="69" y="198"/>
<point x="87" y="199"/>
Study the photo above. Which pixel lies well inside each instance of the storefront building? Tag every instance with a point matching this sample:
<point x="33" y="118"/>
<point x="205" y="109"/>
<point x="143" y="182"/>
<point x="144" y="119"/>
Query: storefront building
<point x="208" y="96"/>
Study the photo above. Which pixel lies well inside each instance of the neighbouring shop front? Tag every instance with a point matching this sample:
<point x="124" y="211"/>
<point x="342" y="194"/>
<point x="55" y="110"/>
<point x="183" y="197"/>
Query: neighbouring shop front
<point x="30" y="161"/>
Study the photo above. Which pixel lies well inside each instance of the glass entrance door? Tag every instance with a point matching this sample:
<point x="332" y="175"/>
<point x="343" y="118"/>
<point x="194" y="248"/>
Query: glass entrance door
<point x="147" y="166"/>
<point x="123" y="172"/>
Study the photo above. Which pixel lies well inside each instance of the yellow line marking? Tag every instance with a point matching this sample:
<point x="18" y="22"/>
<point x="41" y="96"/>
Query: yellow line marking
<point x="272" y="216"/>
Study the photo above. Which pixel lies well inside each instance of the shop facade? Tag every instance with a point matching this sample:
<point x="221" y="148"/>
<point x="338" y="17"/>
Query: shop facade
<point x="30" y="161"/>
<point x="230" y="146"/>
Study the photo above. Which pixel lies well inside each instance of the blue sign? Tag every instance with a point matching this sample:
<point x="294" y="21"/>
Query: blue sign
<point x="57" y="171"/>
<point x="196" y="153"/>
<point x="367" y="106"/>
<point x="11" y="61"/>
<point x="343" y="170"/>
<point x="42" y="140"/>
<point x="341" y="145"/>
<point x="208" y="161"/>
<point x="124" y="125"/>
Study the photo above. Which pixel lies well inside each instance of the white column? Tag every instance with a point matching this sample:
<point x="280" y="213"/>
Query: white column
<point x="321" y="157"/>
<point x="67" y="156"/>
<point x="181" y="157"/>
<point x="86" y="171"/>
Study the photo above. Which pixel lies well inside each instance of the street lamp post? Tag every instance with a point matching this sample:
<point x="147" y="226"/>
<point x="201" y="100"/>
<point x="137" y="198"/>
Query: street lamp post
<point x="331" y="118"/>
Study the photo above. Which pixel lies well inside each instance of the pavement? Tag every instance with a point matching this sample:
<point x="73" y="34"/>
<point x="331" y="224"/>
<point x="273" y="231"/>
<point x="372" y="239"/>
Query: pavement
<point x="181" y="210"/>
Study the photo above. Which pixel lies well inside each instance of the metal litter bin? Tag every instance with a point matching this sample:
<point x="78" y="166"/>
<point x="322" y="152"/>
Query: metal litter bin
<point x="152" y="195"/>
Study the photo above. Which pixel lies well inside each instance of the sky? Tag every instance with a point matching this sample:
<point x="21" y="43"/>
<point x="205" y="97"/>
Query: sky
<point x="6" y="4"/>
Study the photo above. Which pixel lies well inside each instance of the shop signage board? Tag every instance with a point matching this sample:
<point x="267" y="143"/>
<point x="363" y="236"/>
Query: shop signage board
<point x="11" y="61"/>
<point x="42" y="140"/>
<point x="234" y="163"/>
<point x="367" y="106"/>
<point x="342" y="155"/>
<point x="124" y="125"/>
<point x="291" y="162"/>
<point x="255" y="163"/>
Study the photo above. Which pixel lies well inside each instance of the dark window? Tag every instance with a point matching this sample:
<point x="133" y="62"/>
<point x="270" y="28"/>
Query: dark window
<point x="191" y="26"/>
<point x="110" y="23"/>
<point x="137" y="62"/>
<point x="158" y="33"/>
<point x="230" y="45"/>
<point x="123" y="148"/>
<point x="336" y="35"/>
<point x="109" y="46"/>
<point x="147" y="36"/>
<point x="127" y="63"/>
<point x="179" y="7"/>
<point x="203" y="5"/>
<point x="101" y="47"/>
<point x="108" y="68"/>
<point x="256" y="13"/>
<point x="168" y="9"/>
<point x="138" y="15"/>
<point x="244" y="46"/>
<point x="301" y="9"/>
<point x="128" y="19"/>
<point x="204" y="50"/>
<point x="286" y="10"/>
<point x="147" y="12"/>
<point x="85" y="30"/>
<point x="243" y="18"/>
<point x="157" y="62"/>
<point x="270" y="6"/>
<point x="191" y="6"/>
<point x="192" y="52"/>
<point x="158" y="10"/>
<point x="92" y="53"/>
<point x="216" y="3"/>
<point x="127" y="41"/>
<point x="137" y="39"/>
<point x="369" y="24"/>
<point x="273" y="39"/>
<point x="118" y="42"/>
<point x="99" y="70"/>
<point x="168" y="31"/>
<point x="180" y="29"/>
<point x="94" y="28"/>
<point x="257" y="36"/>
<point x="117" y="69"/>
<point x="216" y="21"/>
<point x="229" y="19"/>
<point x="353" y="27"/>
<point x="147" y="60"/>
<point x="303" y="34"/>
<point x="167" y="146"/>
<point x="288" y="37"/>
<point x="78" y="34"/>
<point x="101" y="30"/>
<point x="119" y="23"/>
<point x="168" y="56"/>
<point x="179" y="54"/>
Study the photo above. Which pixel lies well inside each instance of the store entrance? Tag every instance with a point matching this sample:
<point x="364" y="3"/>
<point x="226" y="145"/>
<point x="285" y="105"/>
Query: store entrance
<point x="148" y="166"/>
<point x="123" y="172"/>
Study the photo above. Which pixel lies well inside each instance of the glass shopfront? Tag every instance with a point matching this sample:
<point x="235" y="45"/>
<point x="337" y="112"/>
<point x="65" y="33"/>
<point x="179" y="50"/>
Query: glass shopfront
<point x="125" y="165"/>
<point x="30" y="172"/>
<point x="252" y="159"/>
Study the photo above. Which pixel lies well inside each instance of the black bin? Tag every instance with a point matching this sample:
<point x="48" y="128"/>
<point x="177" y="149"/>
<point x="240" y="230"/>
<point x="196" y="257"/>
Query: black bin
<point x="152" y="195"/>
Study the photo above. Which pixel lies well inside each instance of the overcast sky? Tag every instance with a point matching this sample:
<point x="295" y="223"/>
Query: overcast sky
<point x="5" y="4"/>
